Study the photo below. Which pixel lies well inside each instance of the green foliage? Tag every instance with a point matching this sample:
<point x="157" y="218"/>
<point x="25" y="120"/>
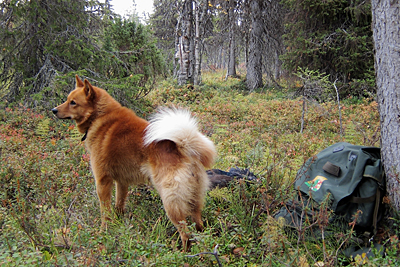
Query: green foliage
<point x="131" y="43"/>
<point x="130" y="91"/>
<point x="45" y="43"/>
<point x="163" y="22"/>
<point x="315" y="85"/>
<point x="49" y="210"/>
<point x="334" y="37"/>
<point x="40" y="38"/>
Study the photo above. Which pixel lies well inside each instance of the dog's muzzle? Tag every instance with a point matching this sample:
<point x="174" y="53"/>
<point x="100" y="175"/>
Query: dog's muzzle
<point x="58" y="115"/>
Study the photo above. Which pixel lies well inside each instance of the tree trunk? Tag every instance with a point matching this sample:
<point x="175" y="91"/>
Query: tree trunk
<point x="221" y="57"/>
<point x="254" y="64"/>
<point x="197" y="69"/>
<point x="200" y="10"/>
<point x="273" y="42"/>
<point x="232" y="56"/>
<point x="385" y="26"/>
<point x="184" y="45"/>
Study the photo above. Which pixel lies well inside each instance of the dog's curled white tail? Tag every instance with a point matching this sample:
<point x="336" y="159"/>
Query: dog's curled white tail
<point x="179" y="126"/>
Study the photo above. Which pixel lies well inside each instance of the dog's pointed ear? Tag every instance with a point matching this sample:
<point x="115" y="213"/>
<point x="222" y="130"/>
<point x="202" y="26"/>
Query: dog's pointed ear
<point x="79" y="82"/>
<point x="89" y="91"/>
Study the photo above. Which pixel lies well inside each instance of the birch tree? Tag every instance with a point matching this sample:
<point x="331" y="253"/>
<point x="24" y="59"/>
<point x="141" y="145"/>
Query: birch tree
<point x="189" y="31"/>
<point x="232" y="37"/>
<point x="184" y="43"/>
<point x="200" y="10"/>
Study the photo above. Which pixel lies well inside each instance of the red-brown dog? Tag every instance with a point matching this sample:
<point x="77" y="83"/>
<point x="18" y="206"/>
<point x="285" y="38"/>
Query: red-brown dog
<point x="127" y="150"/>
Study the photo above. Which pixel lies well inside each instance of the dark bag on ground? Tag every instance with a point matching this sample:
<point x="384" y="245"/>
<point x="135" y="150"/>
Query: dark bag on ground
<point x="344" y="179"/>
<point x="219" y="178"/>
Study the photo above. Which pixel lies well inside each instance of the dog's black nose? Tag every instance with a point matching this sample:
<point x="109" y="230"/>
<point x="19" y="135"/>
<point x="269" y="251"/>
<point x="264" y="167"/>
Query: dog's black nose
<point x="54" y="110"/>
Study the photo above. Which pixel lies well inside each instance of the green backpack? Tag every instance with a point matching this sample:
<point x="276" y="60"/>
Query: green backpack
<point x="351" y="177"/>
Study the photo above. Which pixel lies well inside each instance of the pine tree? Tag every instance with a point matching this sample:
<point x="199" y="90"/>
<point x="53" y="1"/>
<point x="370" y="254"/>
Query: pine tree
<point x="45" y="42"/>
<point x="42" y="38"/>
<point x="334" y="37"/>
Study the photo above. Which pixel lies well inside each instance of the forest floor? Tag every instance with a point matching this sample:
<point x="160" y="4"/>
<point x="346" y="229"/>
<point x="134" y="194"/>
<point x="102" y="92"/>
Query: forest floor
<point x="49" y="211"/>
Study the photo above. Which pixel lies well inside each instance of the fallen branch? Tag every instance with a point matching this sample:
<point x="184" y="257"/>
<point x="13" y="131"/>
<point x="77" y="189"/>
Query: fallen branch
<point x="215" y="253"/>
<point x="340" y="110"/>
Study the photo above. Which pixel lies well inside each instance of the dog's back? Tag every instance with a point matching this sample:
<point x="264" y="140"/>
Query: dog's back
<point x="116" y="144"/>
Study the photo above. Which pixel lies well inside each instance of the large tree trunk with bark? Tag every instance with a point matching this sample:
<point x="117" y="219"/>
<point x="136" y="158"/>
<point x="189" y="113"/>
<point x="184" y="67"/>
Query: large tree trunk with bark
<point x="201" y="7"/>
<point x="184" y="44"/>
<point x="254" y="64"/>
<point x="273" y="42"/>
<point x="386" y="30"/>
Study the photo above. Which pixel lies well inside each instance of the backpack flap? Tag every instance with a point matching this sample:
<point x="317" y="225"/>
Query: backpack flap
<point x="335" y="171"/>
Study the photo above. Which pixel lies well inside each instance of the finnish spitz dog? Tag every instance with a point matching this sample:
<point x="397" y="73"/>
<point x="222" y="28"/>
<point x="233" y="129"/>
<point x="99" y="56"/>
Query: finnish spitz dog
<point x="127" y="150"/>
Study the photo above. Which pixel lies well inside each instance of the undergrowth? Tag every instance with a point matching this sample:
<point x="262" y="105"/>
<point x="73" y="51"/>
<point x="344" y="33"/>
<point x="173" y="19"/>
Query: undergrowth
<point x="49" y="212"/>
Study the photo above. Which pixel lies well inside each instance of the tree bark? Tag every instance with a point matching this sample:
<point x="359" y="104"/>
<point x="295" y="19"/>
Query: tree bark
<point x="232" y="55"/>
<point x="200" y="10"/>
<point x="386" y="33"/>
<point x="184" y="44"/>
<point x="197" y="67"/>
<point x="254" y="64"/>
<point x="273" y="42"/>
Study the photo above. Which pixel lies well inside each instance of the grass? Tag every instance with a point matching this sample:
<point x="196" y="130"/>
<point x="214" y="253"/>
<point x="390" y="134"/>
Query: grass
<point x="49" y="212"/>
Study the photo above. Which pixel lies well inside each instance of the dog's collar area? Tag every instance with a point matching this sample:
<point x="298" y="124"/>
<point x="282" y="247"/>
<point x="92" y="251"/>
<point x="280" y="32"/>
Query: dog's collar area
<point x="84" y="136"/>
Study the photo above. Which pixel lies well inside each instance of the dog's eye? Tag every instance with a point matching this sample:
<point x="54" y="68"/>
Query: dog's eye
<point x="72" y="102"/>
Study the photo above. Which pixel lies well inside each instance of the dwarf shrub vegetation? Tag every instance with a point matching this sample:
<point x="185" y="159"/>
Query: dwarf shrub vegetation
<point x="49" y="211"/>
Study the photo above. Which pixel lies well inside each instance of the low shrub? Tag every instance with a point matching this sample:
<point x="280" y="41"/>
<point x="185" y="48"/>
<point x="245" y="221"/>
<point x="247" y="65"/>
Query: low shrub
<point x="49" y="212"/>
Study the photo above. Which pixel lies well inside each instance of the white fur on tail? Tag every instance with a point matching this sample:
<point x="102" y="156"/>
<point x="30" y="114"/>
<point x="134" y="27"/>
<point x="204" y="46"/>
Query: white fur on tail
<point x="179" y="126"/>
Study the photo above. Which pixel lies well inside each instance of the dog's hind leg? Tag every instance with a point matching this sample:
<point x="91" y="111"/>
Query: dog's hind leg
<point x="104" y="187"/>
<point x="178" y="218"/>
<point x="121" y="194"/>
<point x="196" y="217"/>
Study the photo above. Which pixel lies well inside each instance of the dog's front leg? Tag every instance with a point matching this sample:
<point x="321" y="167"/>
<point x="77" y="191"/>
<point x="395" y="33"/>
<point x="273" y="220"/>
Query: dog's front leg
<point x="104" y="187"/>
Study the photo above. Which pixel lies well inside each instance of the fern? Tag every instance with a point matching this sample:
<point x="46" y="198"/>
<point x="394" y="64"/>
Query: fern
<point x="75" y="134"/>
<point x="42" y="129"/>
<point x="352" y="135"/>
<point x="221" y="194"/>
